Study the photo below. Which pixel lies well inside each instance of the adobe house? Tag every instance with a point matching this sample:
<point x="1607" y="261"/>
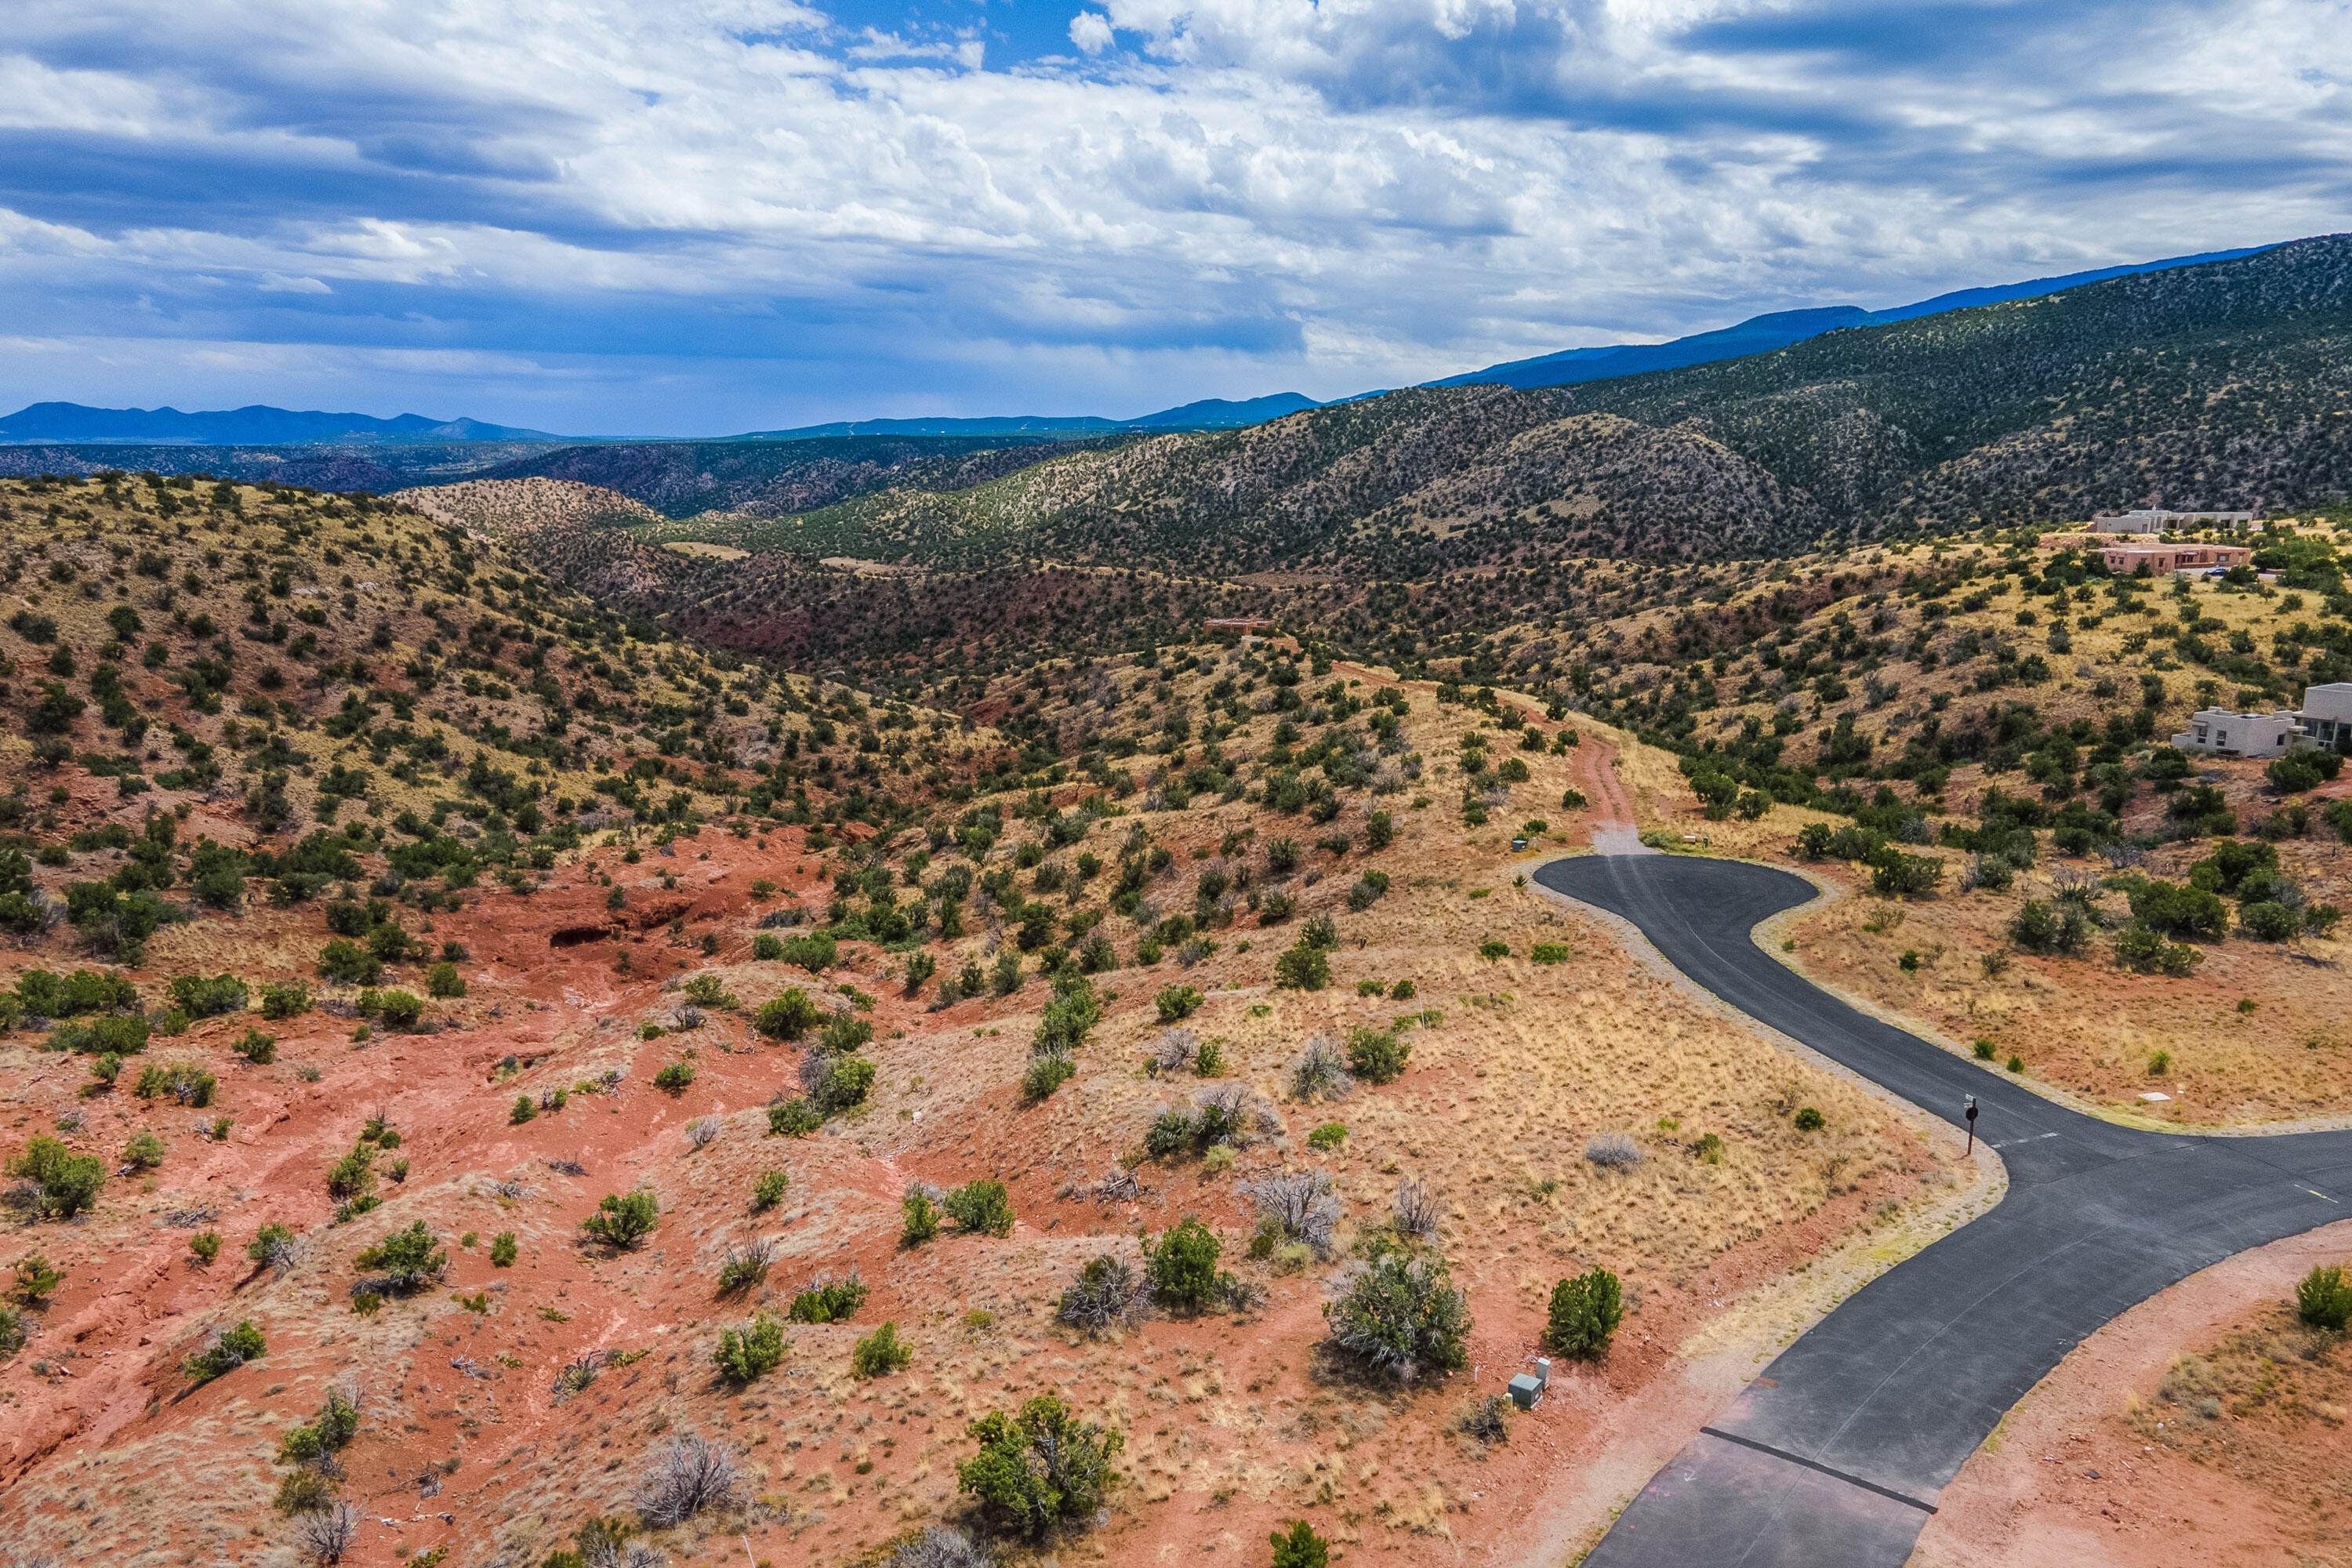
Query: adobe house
<point x="2123" y="560"/>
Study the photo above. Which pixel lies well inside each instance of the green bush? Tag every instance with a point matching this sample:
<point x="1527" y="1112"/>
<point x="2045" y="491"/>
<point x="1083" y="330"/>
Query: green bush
<point x="1302" y="968"/>
<point x="2324" y="1299"/>
<point x="2268" y="921"/>
<point x="257" y="1048"/>
<point x="768" y="1188"/>
<point x="880" y="1353"/>
<point x="202" y="998"/>
<point x="1585" y="1311"/>
<point x="1376" y="1055"/>
<point x="183" y="1081"/>
<point x="814" y="954"/>
<point x="752" y="1352"/>
<point x="1039" y="1467"/>
<point x="124" y="1036"/>
<point x="353" y="1174"/>
<point x="981" y="1207"/>
<point x="503" y="1249"/>
<point x="1044" y="1075"/>
<point x="846" y="1032"/>
<point x="623" y="1222"/>
<point x="1808" y="1119"/>
<point x="1180" y="1267"/>
<point x="845" y="1085"/>
<point x="675" y="1078"/>
<point x="1300" y="1547"/>
<point x="794" y="1119"/>
<point x="1210" y="1060"/>
<point x="1400" y="1315"/>
<point x="830" y="1300"/>
<point x="1493" y="952"/>
<point x="407" y="1257"/>
<point x="230" y="1351"/>
<point x="922" y="1219"/>
<point x="1176" y="1003"/>
<point x="143" y="1152"/>
<point x="525" y="1108"/>
<point x="767" y="947"/>
<point x="349" y="963"/>
<point x="291" y="1000"/>
<point x="1331" y="1135"/>
<point x="444" y="980"/>
<point x="788" y="1017"/>
<point x="2145" y="951"/>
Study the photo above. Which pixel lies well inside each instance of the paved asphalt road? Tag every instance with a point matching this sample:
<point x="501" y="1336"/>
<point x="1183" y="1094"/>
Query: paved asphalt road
<point x="1836" y="1455"/>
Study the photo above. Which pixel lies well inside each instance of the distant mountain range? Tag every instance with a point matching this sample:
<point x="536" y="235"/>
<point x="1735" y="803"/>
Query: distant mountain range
<point x="258" y="425"/>
<point x="72" y="423"/>
<point x="1209" y="414"/>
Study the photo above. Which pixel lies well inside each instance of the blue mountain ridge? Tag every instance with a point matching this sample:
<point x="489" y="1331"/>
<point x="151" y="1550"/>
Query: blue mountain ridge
<point x="1762" y="334"/>
<point x="259" y="425"/>
<point x="256" y="425"/>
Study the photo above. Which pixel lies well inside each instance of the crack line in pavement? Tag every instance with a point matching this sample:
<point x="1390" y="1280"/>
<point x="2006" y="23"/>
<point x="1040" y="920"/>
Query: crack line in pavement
<point x="1834" y="1473"/>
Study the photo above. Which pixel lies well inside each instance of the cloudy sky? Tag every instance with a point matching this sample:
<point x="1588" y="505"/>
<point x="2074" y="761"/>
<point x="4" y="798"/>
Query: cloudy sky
<point x="700" y="217"/>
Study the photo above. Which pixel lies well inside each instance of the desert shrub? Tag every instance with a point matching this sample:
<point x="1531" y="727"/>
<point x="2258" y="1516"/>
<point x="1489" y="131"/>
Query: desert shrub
<point x="406" y="1257"/>
<point x="399" y="1010"/>
<point x="444" y="980"/>
<point x="2145" y="951"/>
<point x="1300" y="1547"/>
<point x="62" y="1182"/>
<point x="844" y="1082"/>
<point x="35" y="1279"/>
<point x="1612" y="1151"/>
<point x="751" y="1352"/>
<point x="1416" y="1210"/>
<point x="796" y="1117"/>
<point x="1039" y="1467"/>
<point x="814" y="954"/>
<point x="2324" y="1299"/>
<point x="1377" y="1056"/>
<point x="688" y="1478"/>
<point x="1044" y="1075"/>
<point x="1321" y="1071"/>
<point x="1485" y="1422"/>
<point x="767" y="948"/>
<point x="183" y="1081"/>
<point x="349" y="963"/>
<point x="291" y="1000"/>
<point x="224" y="1351"/>
<point x="1106" y="1295"/>
<point x="13" y="1331"/>
<point x="504" y="1249"/>
<point x="920" y="1214"/>
<point x="1329" y="1135"/>
<point x="1297" y="1206"/>
<point x="767" y="1189"/>
<point x="326" y="1534"/>
<point x="788" y="1017"/>
<point x="275" y="1247"/>
<point x="1180" y="1267"/>
<point x="746" y="1265"/>
<point x="328" y="1432"/>
<point x="2268" y="921"/>
<point x="880" y="1353"/>
<point x="201" y="998"/>
<point x="1399" y="1315"/>
<point x="1176" y="1003"/>
<point x="1585" y="1311"/>
<point x="675" y="1078"/>
<point x="1170" y="1133"/>
<point x="205" y="1245"/>
<point x="144" y="1151"/>
<point x="829" y="1300"/>
<point x="2039" y="928"/>
<point x="1210" y="1061"/>
<point x="624" y="1221"/>
<point x="1808" y="1119"/>
<point x="257" y="1048"/>
<point x="1303" y="968"/>
<point x="981" y="1207"/>
<point x="304" y="1491"/>
<point x="939" y="1547"/>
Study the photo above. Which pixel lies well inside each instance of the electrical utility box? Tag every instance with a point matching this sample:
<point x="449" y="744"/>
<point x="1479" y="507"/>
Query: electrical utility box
<point x="1528" y="1388"/>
